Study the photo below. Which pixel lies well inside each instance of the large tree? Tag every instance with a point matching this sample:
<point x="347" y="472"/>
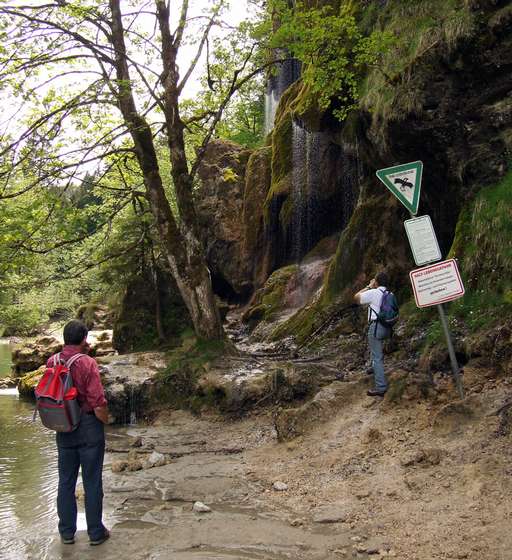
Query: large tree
<point x="98" y="85"/>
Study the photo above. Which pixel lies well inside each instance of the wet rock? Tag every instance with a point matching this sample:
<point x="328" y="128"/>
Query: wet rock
<point x="199" y="507"/>
<point x="28" y="382"/>
<point x="33" y="355"/>
<point x="129" y="382"/>
<point x="8" y="383"/>
<point x="280" y="486"/>
<point x="234" y="395"/>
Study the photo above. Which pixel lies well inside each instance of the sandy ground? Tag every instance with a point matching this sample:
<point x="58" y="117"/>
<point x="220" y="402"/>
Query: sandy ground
<point x="415" y="480"/>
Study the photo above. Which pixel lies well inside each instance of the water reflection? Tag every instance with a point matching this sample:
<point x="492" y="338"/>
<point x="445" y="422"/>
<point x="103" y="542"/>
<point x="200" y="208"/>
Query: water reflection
<point x="28" y="476"/>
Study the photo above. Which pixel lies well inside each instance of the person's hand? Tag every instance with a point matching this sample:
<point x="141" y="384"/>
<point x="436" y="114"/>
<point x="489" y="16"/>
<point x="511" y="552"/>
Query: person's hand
<point x="373" y="284"/>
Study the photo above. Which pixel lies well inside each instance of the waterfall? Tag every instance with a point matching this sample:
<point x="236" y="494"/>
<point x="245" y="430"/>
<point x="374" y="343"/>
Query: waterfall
<point x="286" y="73"/>
<point x="133" y="404"/>
<point x="310" y="151"/>
<point x="325" y="179"/>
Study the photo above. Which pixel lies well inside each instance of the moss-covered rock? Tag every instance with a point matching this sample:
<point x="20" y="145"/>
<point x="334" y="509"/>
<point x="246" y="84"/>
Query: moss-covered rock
<point x="30" y="356"/>
<point x="135" y="326"/>
<point x="365" y="247"/>
<point x="269" y="300"/>
<point x="95" y="316"/>
<point x="256" y="246"/>
<point x="219" y="204"/>
<point x="28" y="382"/>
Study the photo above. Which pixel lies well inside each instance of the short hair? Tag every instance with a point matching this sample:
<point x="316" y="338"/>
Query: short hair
<point x="74" y="332"/>
<point x="382" y="278"/>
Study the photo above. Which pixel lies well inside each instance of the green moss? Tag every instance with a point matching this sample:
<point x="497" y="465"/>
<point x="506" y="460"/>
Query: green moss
<point x="301" y="324"/>
<point x="177" y="384"/>
<point x="268" y="300"/>
<point x="483" y="245"/>
<point x="396" y="87"/>
<point x="306" y="109"/>
<point x="27" y="383"/>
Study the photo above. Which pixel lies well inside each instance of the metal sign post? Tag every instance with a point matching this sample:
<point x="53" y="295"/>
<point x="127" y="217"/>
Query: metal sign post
<point x="451" y="351"/>
<point x="433" y="285"/>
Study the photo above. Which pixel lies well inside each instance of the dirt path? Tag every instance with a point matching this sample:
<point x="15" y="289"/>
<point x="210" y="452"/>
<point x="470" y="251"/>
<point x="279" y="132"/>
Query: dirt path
<point x="415" y="481"/>
<point x="151" y="510"/>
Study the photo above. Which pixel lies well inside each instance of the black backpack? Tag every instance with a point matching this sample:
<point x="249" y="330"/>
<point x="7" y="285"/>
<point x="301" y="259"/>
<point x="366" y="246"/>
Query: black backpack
<point x="387" y="316"/>
<point x="389" y="312"/>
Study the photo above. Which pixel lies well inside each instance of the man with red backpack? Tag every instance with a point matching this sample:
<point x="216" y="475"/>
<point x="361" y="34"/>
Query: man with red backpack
<point x="382" y="314"/>
<point x="84" y="446"/>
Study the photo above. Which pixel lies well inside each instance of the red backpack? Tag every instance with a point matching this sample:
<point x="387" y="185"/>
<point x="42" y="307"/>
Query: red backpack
<point x="56" y="396"/>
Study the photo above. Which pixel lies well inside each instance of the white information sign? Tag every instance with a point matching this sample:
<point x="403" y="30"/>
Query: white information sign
<point x="422" y="239"/>
<point x="436" y="283"/>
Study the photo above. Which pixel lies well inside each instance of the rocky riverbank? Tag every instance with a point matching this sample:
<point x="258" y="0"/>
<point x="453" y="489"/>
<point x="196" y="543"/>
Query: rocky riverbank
<point x="410" y="479"/>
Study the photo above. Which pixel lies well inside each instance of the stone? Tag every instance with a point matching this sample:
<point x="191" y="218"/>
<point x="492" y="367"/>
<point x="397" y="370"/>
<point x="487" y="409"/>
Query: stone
<point x="28" y="382"/>
<point x="119" y="466"/>
<point x="199" y="507"/>
<point x="423" y="457"/>
<point x="155" y="460"/>
<point x="331" y="515"/>
<point x="33" y="355"/>
<point x="8" y="383"/>
<point x="137" y="442"/>
<point x="219" y="204"/>
<point x="280" y="486"/>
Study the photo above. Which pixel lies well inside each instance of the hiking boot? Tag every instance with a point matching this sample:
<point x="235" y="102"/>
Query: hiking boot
<point x="101" y="540"/>
<point x="67" y="540"/>
<point x="375" y="393"/>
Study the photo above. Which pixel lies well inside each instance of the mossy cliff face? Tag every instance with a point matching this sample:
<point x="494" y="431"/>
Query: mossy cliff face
<point x="442" y="96"/>
<point x="255" y="246"/>
<point x="135" y="323"/>
<point x="313" y="181"/>
<point x="219" y="203"/>
<point x="459" y="126"/>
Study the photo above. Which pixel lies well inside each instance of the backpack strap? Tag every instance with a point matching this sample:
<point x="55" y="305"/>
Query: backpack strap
<point x="73" y="359"/>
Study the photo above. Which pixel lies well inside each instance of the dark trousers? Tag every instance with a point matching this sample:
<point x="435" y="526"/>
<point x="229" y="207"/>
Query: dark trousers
<point x="85" y="447"/>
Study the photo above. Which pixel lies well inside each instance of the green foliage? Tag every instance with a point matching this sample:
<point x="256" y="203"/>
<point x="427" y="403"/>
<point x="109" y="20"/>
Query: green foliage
<point x="332" y="48"/>
<point x="483" y="245"/>
<point x="393" y="88"/>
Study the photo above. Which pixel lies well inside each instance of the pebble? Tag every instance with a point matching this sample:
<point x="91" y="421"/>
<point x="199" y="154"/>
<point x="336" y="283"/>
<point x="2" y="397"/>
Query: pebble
<point x="199" y="507"/>
<point x="280" y="486"/>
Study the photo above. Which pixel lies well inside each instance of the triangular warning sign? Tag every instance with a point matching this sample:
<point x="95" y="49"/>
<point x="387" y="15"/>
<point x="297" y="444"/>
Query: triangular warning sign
<point x="404" y="181"/>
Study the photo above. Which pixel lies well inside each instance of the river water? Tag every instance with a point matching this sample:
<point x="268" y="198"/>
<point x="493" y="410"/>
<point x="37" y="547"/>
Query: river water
<point x="28" y="476"/>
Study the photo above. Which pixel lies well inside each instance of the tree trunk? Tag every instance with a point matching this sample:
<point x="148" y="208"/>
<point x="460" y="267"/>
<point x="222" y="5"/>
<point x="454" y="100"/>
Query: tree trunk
<point x="180" y="244"/>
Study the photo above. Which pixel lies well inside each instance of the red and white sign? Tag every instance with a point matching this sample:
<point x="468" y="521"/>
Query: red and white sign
<point x="437" y="283"/>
